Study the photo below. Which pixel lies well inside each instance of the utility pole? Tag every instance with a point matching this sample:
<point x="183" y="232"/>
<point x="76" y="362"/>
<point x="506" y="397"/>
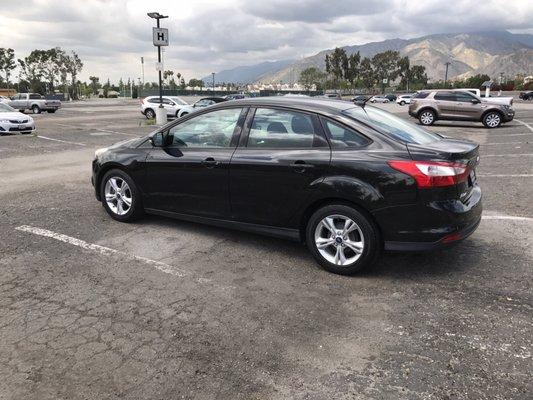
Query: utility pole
<point x="213" y="74"/>
<point x="142" y="69"/>
<point x="447" y="63"/>
<point x="160" y="38"/>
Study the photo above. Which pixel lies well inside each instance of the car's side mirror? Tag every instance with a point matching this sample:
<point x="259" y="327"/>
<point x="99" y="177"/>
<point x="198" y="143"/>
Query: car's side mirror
<point x="158" y="140"/>
<point x="475" y="101"/>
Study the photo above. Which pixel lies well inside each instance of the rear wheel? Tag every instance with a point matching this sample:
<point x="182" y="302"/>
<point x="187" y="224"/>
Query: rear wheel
<point x="342" y="240"/>
<point x="35" y="109"/>
<point x="120" y="196"/>
<point x="149" y="113"/>
<point x="184" y="114"/>
<point x="402" y="103"/>
<point x="492" y="119"/>
<point x="427" y="117"/>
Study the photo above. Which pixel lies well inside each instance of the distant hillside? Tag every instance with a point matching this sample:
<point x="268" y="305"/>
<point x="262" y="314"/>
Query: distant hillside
<point x="488" y="52"/>
<point x="247" y="74"/>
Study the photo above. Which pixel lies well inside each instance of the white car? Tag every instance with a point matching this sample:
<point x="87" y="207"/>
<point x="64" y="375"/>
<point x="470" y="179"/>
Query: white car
<point x="379" y="99"/>
<point x="404" y="99"/>
<point x="173" y="104"/>
<point x="4" y="99"/>
<point x="205" y="102"/>
<point x="12" y="121"/>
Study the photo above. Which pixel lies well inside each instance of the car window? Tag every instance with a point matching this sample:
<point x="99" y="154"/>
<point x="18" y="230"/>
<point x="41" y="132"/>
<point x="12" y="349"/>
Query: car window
<point x="392" y="125"/>
<point x="421" y="95"/>
<point x="168" y="102"/>
<point x="273" y="128"/>
<point x="204" y="103"/>
<point x="6" y="108"/>
<point x="445" y="96"/>
<point x="213" y="129"/>
<point x="153" y="100"/>
<point x="464" y="96"/>
<point x="179" y="100"/>
<point x="341" y="136"/>
<point x="35" y="96"/>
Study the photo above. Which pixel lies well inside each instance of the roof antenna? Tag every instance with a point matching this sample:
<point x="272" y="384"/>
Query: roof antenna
<point x="361" y="103"/>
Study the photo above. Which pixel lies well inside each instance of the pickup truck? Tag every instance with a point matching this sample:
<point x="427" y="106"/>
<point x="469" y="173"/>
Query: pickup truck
<point x="508" y="101"/>
<point x="34" y="102"/>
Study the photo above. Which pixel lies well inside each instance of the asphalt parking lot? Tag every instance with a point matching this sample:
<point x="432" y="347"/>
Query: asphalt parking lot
<point x="161" y="309"/>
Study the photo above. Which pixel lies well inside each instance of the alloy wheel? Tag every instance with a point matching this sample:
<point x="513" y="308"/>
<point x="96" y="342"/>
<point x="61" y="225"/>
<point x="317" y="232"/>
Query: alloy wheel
<point x="339" y="240"/>
<point x="118" y="195"/>
<point x="492" y="120"/>
<point x="426" y="118"/>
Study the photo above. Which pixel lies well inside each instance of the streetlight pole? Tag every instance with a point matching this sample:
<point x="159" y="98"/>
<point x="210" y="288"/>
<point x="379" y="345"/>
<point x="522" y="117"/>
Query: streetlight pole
<point x="213" y="75"/>
<point x="157" y="17"/>
<point x="447" y="63"/>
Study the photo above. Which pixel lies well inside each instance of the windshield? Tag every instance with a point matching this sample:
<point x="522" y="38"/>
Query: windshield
<point x="392" y="125"/>
<point x="178" y="100"/>
<point x="6" y="108"/>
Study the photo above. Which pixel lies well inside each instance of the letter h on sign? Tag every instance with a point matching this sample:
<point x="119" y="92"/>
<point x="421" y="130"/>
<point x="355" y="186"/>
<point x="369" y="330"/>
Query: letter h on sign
<point x="160" y="36"/>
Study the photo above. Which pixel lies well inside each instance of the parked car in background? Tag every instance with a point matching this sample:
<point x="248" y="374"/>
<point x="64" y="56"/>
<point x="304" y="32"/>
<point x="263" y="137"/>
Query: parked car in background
<point x="235" y="96"/>
<point x="360" y="98"/>
<point x="34" y="102"/>
<point x="391" y="97"/>
<point x="334" y="96"/>
<point x="172" y="104"/>
<point x="404" y="99"/>
<point x="202" y="103"/>
<point x="458" y="105"/>
<point x="12" y="121"/>
<point x="526" y="95"/>
<point x="379" y="99"/>
<point x="346" y="180"/>
<point x="508" y="100"/>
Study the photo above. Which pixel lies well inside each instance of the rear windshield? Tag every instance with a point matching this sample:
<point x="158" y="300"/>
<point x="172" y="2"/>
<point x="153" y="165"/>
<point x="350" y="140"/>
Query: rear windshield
<point x="392" y="125"/>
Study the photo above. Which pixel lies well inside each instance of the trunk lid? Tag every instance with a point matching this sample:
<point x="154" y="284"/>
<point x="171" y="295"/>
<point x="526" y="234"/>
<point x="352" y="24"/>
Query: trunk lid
<point x="452" y="150"/>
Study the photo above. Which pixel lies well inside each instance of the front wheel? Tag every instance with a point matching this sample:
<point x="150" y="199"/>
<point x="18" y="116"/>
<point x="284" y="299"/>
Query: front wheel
<point x="342" y="240"/>
<point x="149" y="114"/>
<point x="120" y="196"/>
<point x="402" y="103"/>
<point x="492" y="120"/>
<point x="427" y="117"/>
<point x="35" y="109"/>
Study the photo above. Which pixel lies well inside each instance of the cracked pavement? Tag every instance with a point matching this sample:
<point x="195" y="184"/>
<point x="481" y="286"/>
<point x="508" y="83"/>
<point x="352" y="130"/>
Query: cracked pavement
<point x="252" y="317"/>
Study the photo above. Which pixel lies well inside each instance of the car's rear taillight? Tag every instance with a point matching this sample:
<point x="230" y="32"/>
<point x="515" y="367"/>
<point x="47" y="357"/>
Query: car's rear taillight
<point x="428" y="174"/>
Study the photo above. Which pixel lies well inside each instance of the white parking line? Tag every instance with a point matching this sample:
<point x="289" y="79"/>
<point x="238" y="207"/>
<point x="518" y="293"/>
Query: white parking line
<point x="497" y="144"/>
<point x="506" y="175"/>
<point x="526" y="125"/>
<point x="167" y="269"/>
<point x="507" y="155"/>
<point x="507" y="217"/>
<point x="62" y="141"/>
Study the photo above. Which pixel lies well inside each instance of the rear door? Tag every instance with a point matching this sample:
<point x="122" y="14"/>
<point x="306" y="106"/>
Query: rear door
<point x="445" y="104"/>
<point x="282" y="157"/>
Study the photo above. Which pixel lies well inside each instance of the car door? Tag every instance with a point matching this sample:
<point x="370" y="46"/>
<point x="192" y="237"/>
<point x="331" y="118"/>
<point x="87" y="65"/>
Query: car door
<point x="190" y="174"/>
<point x="16" y="102"/>
<point x="282" y="156"/>
<point x="468" y="106"/>
<point x="169" y="106"/>
<point x="445" y="104"/>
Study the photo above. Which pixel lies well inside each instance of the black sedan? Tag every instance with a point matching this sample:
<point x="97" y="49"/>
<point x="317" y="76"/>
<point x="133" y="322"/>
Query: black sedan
<point x="347" y="180"/>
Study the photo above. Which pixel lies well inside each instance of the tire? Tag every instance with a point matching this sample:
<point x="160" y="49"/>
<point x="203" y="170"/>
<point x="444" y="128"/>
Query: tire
<point x="492" y="119"/>
<point x="402" y="103"/>
<point x="364" y="233"/>
<point x="134" y="210"/>
<point x="51" y="111"/>
<point x="35" y="109"/>
<point x="184" y="114"/>
<point x="427" y="117"/>
<point x="149" y="113"/>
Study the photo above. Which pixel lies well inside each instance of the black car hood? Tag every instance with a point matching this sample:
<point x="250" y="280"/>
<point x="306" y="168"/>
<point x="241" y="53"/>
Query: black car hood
<point x="127" y="143"/>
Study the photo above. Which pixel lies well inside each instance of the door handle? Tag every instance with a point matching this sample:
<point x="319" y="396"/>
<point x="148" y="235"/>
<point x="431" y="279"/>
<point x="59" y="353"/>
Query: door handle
<point x="210" y="162"/>
<point x="300" y="166"/>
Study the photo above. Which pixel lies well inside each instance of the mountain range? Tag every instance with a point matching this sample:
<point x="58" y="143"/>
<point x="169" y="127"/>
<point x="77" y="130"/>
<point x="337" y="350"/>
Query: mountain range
<point x="487" y="52"/>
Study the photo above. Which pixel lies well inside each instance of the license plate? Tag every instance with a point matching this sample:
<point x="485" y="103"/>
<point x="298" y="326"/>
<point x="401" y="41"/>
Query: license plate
<point x="22" y="127"/>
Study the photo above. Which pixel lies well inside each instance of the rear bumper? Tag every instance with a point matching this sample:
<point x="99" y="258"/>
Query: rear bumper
<point x="447" y="241"/>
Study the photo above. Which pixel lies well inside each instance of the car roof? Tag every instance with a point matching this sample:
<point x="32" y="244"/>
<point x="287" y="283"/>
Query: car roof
<point x="312" y="104"/>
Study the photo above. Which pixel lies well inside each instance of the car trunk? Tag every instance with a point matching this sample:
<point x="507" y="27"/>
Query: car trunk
<point x="450" y="150"/>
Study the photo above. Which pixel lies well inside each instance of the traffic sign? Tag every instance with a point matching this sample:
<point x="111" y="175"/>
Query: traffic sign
<point x="160" y="36"/>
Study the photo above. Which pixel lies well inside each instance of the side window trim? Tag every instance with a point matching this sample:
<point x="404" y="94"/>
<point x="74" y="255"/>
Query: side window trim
<point x="319" y="130"/>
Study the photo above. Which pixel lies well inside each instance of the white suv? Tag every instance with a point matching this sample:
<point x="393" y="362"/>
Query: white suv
<point x="404" y="99"/>
<point x="172" y="104"/>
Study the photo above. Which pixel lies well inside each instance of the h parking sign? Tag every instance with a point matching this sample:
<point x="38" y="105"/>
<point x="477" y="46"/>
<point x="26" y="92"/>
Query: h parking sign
<point x="160" y="36"/>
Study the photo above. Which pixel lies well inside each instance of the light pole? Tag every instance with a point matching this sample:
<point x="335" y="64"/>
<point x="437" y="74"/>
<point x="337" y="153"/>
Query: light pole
<point x="159" y="40"/>
<point x="213" y="75"/>
<point x="447" y="63"/>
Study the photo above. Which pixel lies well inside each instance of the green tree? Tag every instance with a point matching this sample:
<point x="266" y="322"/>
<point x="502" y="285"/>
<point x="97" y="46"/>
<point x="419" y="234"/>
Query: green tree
<point x="95" y="84"/>
<point x="336" y="65"/>
<point x="367" y="73"/>
<point x="7" y="63"/>
<point x="196" y="82"/>
<point x="385" y="66"/>
<point x="311" y="76"/>
<point x="353" y="69"/>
